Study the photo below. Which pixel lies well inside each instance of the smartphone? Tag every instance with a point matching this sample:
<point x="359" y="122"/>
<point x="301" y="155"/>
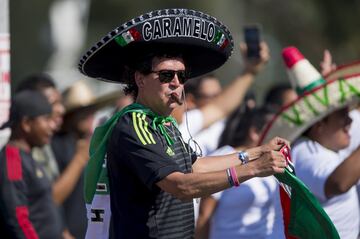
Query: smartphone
<point x="252" y="40"/>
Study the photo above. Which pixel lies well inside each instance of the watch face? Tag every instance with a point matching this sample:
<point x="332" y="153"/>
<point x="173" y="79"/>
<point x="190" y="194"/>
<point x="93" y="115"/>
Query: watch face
<point x="244" y="157"/>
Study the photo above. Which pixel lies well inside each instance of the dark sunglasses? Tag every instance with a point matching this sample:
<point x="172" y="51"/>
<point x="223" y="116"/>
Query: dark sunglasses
<point x="166" y="76"/>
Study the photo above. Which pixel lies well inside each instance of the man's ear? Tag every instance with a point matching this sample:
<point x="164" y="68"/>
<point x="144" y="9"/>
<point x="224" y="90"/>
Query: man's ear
<point x="139" y="79"/>
<point x="318" y="127"/>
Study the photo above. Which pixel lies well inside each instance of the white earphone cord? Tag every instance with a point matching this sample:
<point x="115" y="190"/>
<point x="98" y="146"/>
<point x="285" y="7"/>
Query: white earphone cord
<point x="197" y="149"/>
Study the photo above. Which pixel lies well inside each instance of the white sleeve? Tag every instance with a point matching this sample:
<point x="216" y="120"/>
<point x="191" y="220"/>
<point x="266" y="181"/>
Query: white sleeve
<point x="313" y="165"/>
<point x="217" y="195"/>
<point x="195" y="121"/>
<point x="208" y="139"/>
<point x="226" y="149"/>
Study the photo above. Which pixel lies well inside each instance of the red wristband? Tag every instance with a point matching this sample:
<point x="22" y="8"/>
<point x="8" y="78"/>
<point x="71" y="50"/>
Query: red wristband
<point x="234" y="177"/>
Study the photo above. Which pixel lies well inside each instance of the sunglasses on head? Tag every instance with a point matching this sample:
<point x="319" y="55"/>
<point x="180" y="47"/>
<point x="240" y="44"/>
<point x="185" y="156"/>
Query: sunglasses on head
<point x="166" y="76"/>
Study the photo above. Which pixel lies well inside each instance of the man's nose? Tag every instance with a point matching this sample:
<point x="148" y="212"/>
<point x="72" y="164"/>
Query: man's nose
<point x="59" y="108"/>
<point x="175" y="81"/>
<point x="52" y="124"/>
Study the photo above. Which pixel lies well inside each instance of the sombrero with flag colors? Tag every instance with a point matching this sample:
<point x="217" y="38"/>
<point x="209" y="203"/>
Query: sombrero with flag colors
<point x="318" y="96"/>
<point x="204" y="42"/>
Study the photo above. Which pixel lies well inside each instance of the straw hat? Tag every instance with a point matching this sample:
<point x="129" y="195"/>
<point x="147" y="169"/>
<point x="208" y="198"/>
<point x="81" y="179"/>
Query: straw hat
<point x="79" y="97"/>
<point x="318" y="96"/>
<point x="204" y="42"/>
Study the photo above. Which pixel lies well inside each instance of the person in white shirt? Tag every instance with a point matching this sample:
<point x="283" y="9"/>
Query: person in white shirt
<point x="248" y="211"/>
<point x="318" y="164"/>
<point x="318" y="122"/>
<point x="201" y="119"/>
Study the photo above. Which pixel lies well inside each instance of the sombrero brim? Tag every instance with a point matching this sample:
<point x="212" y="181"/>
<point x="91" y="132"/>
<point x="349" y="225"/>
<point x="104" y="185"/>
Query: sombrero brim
<point x="341" y="89"/>
<point x="206" y="45"/>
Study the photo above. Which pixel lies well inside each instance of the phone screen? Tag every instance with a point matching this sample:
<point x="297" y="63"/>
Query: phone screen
<point x="252" y="40"/>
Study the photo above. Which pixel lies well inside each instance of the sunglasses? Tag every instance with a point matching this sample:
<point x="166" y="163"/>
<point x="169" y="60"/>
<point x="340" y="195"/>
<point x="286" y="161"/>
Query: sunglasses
<point x="166" y="76"/>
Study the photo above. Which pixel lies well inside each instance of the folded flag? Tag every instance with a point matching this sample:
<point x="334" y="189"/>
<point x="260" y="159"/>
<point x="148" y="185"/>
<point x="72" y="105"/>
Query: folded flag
<point x="304" y="217"/>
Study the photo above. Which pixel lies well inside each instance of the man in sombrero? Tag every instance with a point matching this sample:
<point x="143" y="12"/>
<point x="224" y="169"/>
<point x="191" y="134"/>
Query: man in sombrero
<point x="138" y="158"/>
<point x="319" y="123"/>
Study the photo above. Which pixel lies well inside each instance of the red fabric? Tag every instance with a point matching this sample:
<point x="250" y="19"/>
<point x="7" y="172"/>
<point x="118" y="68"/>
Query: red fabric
<point x="226" y="42"/>
<point x="234" y="177"/>
<point x="22" y="216"/>
<point x="285" y="204"/>
<point x="285" y="198"/>
<point x="13" y="163"/>
<point x="291" y="56"/>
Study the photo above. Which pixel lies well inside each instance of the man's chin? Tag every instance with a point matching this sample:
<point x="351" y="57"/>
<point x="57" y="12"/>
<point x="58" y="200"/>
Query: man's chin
<point x="174" y="105"/>
<point x="345" y="143"/>
<point x="41" y="143"/>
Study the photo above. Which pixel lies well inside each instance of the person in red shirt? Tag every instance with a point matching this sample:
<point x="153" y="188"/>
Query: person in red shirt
<point x="27" y="209"/>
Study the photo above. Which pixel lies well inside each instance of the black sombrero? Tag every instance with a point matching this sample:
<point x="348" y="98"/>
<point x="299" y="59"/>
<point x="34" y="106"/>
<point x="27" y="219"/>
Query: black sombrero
<point x="204" y="42"/>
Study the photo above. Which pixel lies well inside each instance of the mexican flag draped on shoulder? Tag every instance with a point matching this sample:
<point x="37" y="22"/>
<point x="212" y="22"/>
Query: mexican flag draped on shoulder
<point x="97" y="191"/>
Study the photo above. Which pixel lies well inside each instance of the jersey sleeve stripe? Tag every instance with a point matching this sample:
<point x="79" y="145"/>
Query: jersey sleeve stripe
<point x="141" y="121"/>
<point x="22" y="216"/>
<point x="13" y="163"/>
<point x="147" y="130"/>
<point x="134" y="118"/>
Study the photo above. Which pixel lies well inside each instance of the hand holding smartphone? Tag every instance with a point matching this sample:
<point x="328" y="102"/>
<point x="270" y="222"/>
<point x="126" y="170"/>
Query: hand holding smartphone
<point x="252" y="40"/>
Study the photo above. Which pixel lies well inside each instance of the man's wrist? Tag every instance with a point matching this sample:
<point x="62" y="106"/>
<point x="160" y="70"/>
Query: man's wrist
<point x="254" y="153"/>
<point x="248" y="72"/>
<point x="251" y="70"/>
<point x="243" y="157"/>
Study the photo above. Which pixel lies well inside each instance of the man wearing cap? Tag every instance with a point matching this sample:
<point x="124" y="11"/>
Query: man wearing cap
<point x="27" y="209"/>
<point x="152" y="174"/>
